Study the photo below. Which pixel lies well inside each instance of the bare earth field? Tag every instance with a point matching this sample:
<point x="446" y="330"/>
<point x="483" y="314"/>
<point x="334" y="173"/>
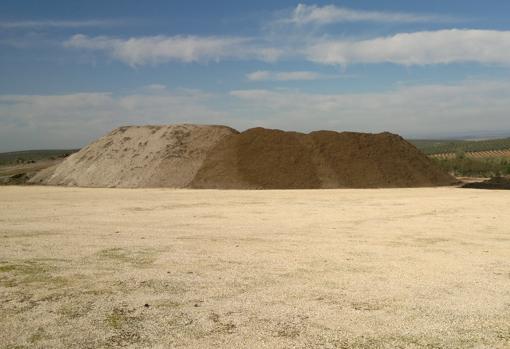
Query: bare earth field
<point x="162" y="268"/>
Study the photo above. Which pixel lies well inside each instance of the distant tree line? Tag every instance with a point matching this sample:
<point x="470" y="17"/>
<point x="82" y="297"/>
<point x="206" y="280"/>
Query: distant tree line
<point x="460" y="165"/>
<point x="431" y="147"/>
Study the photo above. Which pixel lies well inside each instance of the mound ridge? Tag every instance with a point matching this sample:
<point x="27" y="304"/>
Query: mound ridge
<point x="272" y="159"/>
<point x="137" y="157"/>
<point x="219" y="157"/>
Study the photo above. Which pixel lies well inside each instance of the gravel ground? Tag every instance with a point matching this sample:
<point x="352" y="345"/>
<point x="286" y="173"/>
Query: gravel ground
<point x="162" y="268"/>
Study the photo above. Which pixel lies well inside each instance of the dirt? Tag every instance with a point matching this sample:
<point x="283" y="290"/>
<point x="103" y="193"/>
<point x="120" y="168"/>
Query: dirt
<point x="272" y="159"/>
<point x="364" y="268"/>
<point x="219" y="157"/>
<point x="495" y="183"/>
<point x="137" y="157"/>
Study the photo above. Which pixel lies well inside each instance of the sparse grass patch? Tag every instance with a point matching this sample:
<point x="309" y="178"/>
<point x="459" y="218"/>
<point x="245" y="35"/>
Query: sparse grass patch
<point x="27" y="269"/>
<point x="167" y="303"/>
<point x="116" y="319"/>
<point x="125" y="327"/>
<point x="163" y="286"/>
<point x="75" y="310"/>
<point x="137" y="258"/>
<point x="29" y="272"/>
<point x="98" y="292"/>
<point x="7" y="268"/>
<point x="13" y="234"/>
<point x="367" y="306"/>
<point x="37" y="336"/>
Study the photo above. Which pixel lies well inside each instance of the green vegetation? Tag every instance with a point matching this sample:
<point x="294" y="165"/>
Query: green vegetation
<point x="138" y="258"/>
<point x="430" y="147"/>
<point x="28" y="156"/>
<point x="37" y="336"/>
<point x="116" y="319"/>
<point x="464" y="165"/>
<point x="29" y="272"/>
<point x="468" y="167"/>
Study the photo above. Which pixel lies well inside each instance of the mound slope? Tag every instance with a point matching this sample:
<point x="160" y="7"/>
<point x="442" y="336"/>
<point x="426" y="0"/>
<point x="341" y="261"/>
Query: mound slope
<point x="272" y="159"/>
<point x="219" y="157"/>
<point x="138" y="156"/>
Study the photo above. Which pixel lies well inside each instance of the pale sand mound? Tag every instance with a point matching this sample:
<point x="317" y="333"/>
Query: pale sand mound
<point x="138" y="156"/>
<point x="272" y="159"/>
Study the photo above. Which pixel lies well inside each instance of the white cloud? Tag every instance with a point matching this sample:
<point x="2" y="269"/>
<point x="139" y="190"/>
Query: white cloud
<point x="37" y="24"/>
<point x="70" y="120"/>
<point x="469" y="106"/>
<point x="264" y="75"/>
<point x="160" y="49"/>
<point x="416" y="48"/>
<point x="419" y="48"/>
<point x="313" y="14"/>
<point x="259" y="75"/>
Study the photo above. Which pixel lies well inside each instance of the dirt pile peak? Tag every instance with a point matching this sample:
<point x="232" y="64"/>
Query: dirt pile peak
<point x="139" y="156"/>
<point x="261" y="158"/>
<point x="195" y="156"/>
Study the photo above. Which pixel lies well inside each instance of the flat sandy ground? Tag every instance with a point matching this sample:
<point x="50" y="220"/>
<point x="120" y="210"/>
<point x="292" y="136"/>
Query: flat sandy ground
<point x="154" y="268"/>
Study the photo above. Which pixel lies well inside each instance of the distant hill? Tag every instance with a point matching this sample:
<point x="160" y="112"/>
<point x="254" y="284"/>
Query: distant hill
<point x="427" y="146"/>
<point x="469" y="158"/>
<point x="26" y="156"/>
<point x="431" y="147"/>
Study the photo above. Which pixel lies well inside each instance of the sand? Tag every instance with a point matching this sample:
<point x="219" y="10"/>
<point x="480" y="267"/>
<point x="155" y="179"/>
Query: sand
<point x="138" y="157"/>
<point x="388" y="268"/>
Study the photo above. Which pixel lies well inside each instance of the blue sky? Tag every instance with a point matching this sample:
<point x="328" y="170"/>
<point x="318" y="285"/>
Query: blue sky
<point x="72" y="70"/>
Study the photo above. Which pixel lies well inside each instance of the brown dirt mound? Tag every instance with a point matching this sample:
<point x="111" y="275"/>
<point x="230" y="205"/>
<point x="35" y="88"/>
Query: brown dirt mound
<point x="272" y="159"/>
<point x="196" y="156"/>
<point x="138" y="156"/>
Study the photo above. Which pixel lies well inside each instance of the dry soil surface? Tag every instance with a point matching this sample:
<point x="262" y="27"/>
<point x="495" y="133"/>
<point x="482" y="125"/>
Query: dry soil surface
<point x="163" y="268"/>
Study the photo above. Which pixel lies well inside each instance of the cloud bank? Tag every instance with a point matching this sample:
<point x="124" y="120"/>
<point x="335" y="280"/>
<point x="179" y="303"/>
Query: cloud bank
<point x="264" y="75"/>
<point x="424" y="110"/>
<point x="70" y="120"/>
<point x="188" y="49"/>
<point x="74" y="119"/>
<point x="419" y="48"/>
<point x="320" y="15"/>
